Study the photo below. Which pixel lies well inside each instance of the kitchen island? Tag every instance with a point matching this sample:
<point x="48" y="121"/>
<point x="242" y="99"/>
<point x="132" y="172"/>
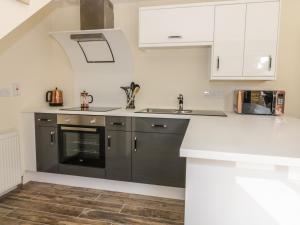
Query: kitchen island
<point x="242" y="170"/>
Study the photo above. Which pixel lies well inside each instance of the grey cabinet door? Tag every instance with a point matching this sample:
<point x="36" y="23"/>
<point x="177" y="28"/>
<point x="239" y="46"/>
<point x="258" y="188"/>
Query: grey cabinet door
<point x="156" y="160"/>
<point x="47" y="149"/>
<point x="118" y="155"/>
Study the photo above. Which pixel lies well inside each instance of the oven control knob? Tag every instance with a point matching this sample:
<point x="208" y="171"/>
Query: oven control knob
<point x="93" y="121"/>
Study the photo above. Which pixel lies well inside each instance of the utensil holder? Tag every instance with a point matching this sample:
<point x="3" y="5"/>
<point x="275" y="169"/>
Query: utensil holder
<point x="131" y="105"/>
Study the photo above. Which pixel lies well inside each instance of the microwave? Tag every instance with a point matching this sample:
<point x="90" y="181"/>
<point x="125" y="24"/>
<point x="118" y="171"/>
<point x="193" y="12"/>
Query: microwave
<point x="259" y="102"/>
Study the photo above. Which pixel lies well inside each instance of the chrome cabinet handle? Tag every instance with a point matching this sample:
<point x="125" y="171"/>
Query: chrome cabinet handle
<point x="159" y="125"/>
<point x="218" y="62"/>
<point x="44" y="120"/>
<point x="175" y="37"/>
<point x="135" y="144"/>
<point x="117" y="124"/>
<point x="67" y="120"/>
<point x="52" y="137"/>
<point x="80" y="129"/>
<point x="93" y="121"/>
<point x="270" y="62"/>
<point x="108" y="142"/>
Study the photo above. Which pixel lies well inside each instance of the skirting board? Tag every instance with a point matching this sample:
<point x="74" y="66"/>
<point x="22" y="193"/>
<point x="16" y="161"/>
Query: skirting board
<point x="6" y="192"/>
<point x="109" y="185"/>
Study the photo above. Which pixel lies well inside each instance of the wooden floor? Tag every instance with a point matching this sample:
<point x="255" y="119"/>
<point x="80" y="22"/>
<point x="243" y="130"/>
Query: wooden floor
<point x="41" y="203"/>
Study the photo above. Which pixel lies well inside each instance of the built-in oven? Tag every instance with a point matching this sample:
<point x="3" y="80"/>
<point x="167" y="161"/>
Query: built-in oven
<point x="82" y="140"/>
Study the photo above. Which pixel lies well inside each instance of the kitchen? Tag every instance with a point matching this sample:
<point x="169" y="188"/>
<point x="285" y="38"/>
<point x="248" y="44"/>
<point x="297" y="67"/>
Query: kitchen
<point x="162" y="73"/>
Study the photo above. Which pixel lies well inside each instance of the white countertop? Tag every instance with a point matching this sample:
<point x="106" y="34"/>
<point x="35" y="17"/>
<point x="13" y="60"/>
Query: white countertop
<point x="244" y="138"/>
<point x="236" y="138"/>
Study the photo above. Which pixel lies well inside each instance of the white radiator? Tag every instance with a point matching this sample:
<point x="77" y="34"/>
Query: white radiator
<point x="10" y="162"/>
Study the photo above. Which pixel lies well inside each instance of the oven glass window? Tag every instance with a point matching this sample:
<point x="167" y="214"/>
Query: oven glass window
<point x="82" y="148"/>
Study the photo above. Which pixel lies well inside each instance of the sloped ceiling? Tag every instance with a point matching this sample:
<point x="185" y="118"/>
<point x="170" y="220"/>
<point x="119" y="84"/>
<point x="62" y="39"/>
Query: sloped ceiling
<point x="13" y="13"/>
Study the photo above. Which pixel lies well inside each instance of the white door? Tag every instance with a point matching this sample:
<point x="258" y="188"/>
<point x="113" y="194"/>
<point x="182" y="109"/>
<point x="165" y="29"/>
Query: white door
<point x="262" y="23"/>
<point x="229" y="37"/>
<point x="176" y="25"/>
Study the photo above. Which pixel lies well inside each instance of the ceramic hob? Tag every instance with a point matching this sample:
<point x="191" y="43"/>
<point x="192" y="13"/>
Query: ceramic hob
<point x="91" y="109"/>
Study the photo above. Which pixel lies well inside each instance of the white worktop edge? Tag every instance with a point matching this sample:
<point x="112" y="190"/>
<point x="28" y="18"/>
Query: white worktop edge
<point x="239" y="157"/>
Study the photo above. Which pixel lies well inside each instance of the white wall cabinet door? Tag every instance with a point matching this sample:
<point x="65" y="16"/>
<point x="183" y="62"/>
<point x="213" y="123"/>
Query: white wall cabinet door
<point x="261" y="39"/>
<point x="229" y="37"/>
<point x="178" y="26"/>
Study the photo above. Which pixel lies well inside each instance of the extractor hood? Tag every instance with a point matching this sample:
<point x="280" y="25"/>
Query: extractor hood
<point x="94" y="47"/>
<point x="97" y="23"/>
<point x="100" y="55"/>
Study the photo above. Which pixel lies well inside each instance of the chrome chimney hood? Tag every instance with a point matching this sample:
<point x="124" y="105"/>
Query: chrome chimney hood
<point x="96" y="16"/>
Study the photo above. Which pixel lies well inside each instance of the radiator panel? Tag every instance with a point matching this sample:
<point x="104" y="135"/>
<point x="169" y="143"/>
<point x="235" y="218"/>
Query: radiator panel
<point x="10" y="162"/>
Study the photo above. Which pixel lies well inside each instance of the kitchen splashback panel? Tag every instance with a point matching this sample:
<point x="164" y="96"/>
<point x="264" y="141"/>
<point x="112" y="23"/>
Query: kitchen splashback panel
<point x="102" y="80"/>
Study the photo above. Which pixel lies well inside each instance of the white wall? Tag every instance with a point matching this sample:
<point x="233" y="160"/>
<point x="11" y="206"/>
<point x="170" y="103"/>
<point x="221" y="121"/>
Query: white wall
<point x="27" y="57"/>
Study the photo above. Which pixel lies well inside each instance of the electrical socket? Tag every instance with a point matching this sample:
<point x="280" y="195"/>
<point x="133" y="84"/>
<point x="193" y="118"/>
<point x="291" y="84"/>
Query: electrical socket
<point x="15" y="89"/>
<point x="213" y="93"/>
<point x="12" y="90"/>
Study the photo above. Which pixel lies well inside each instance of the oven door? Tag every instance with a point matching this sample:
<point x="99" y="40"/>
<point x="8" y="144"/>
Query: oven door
<point x="84" y="146"/>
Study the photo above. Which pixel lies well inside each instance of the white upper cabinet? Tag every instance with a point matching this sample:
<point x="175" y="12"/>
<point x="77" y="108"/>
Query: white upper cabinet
<point x="176" y="26"/>
<point x="261" y="39"/>
<point x="243" y="34"/>
<point x="245" y="41"/>
<point x="228" y="49"/>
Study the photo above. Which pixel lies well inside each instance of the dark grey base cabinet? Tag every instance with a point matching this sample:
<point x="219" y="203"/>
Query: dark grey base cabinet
<point x="145" y="150"/>
<point x="118" y="148"/>
<point x="156" y="147"/>
<point x="118" y="155"/>
<point x="46" y="143"/>
<point x="155" y="159"/>
<point x="142" y="150"/>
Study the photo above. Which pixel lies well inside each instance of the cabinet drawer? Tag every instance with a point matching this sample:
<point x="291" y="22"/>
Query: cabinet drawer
<point x="45" y="119"/>
<point x="159" y="125"/>
<point x="118" y="123"/>
<point x="175" y="25"/>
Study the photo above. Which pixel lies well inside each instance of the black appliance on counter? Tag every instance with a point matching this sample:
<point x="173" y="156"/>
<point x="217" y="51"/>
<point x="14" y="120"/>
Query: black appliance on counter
<point x="81" y="140"/>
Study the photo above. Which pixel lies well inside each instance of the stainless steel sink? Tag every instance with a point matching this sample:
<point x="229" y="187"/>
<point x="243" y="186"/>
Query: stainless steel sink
<point x="183" y="112"/>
